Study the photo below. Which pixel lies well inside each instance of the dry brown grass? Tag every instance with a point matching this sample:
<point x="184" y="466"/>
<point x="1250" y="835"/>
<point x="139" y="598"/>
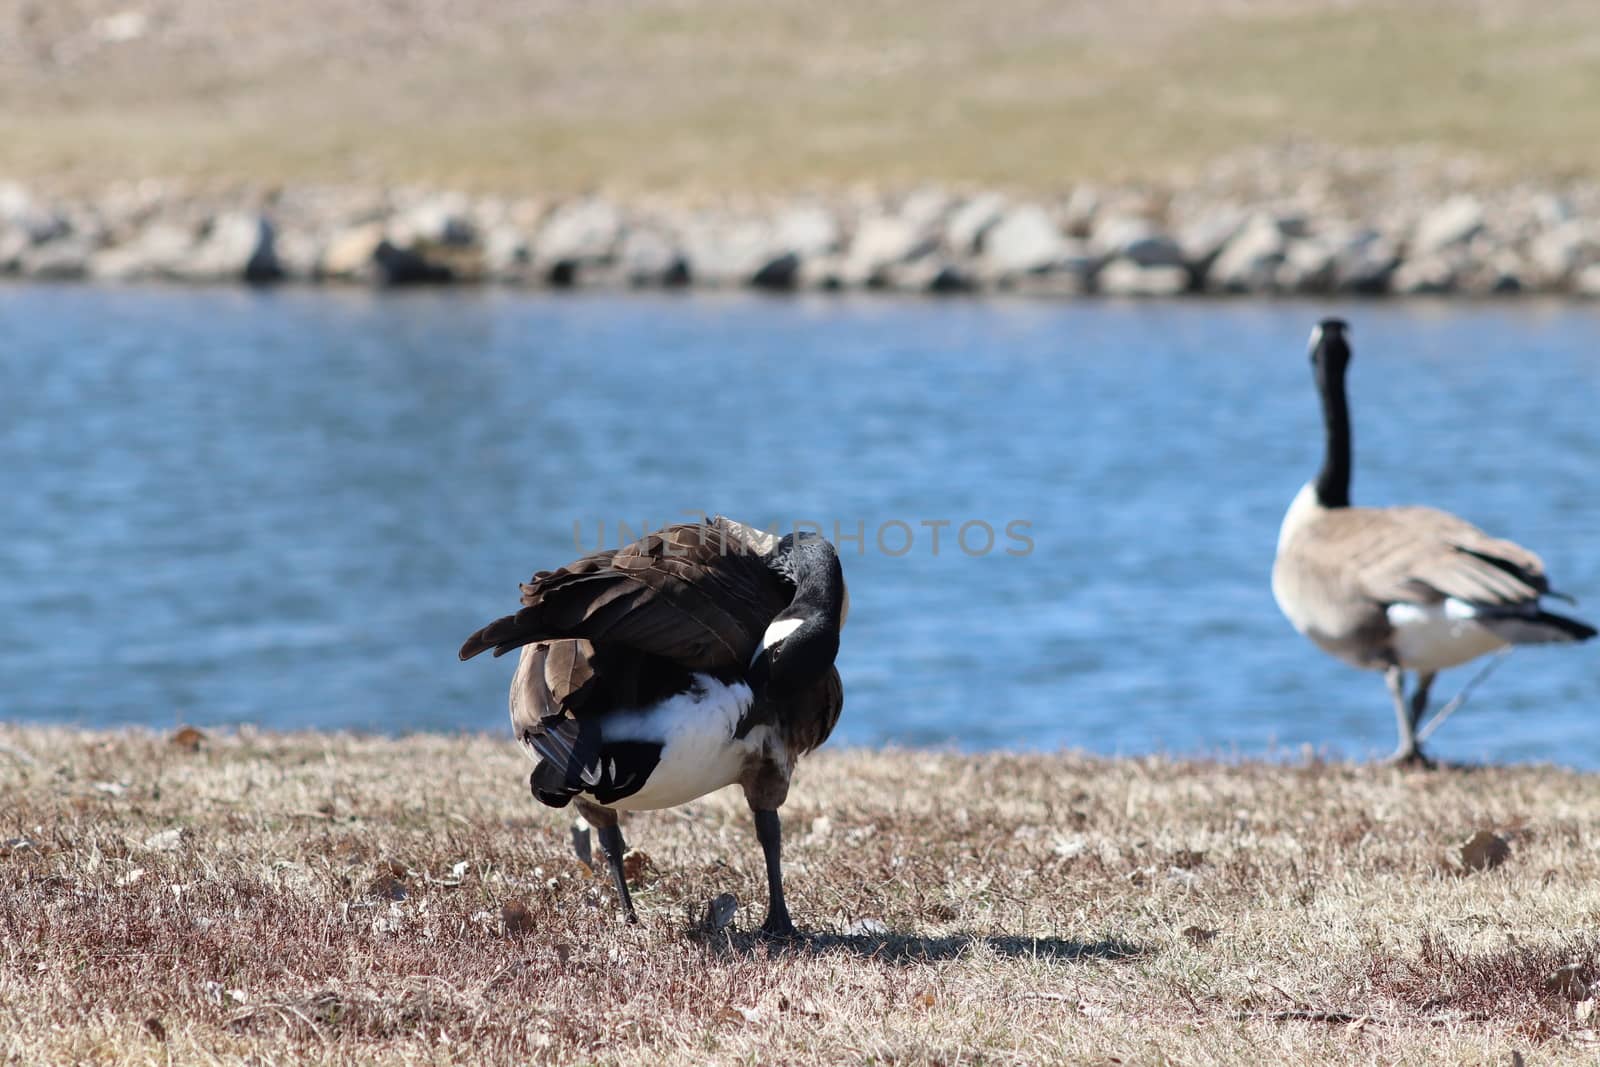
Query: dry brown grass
<point x="330" y="899"/>
<point x="752" y="95"/>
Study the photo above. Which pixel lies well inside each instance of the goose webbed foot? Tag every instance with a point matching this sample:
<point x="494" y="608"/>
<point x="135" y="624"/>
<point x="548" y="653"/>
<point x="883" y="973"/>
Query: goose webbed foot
<point x="778" y="927"/>
<point x="1412" y="758"/>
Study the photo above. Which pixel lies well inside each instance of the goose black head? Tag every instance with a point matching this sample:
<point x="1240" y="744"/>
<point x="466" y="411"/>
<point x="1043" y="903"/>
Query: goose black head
<point x="801" y="642"/>
<point x="1329" y="348"/>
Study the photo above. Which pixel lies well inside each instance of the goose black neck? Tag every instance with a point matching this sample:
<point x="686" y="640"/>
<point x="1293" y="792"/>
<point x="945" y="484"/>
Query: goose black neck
<point x="1330" y="355"/>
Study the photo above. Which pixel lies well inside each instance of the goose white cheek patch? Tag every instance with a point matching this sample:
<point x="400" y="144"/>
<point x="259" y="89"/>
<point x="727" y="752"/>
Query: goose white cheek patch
<point x="776" y="632"/>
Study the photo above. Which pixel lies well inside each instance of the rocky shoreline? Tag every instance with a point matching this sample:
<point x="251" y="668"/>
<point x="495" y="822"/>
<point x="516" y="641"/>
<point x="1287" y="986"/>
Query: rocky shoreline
<point x="1276" y="223"/>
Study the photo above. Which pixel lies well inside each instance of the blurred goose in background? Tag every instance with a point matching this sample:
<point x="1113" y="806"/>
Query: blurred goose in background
<point x="1400" y="588"/>
<point x="695" y="658"/>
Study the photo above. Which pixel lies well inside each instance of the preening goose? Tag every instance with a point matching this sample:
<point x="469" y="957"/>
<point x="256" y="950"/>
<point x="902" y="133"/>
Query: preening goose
<point x="1401" y="588"/>
<point x="695" y="658"/>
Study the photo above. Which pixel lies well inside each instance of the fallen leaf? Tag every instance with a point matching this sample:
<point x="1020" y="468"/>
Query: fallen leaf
<point x="110" y="789"/>
<point x="719" y="913"/>
<point x="131" y="877"/>
<point x="1199" y="935"/>
<point x="156" y="1029"/>
<point x="731" y="1014"/>
<point x="1568" y="982"/>
<point x="867" y="928"/>
<point x="517" y="918"/>
<point x="924" y="998"/>
<point x="636" y="864"/>
<point x="188" y="739"/>
<point x="1484" y="851"/>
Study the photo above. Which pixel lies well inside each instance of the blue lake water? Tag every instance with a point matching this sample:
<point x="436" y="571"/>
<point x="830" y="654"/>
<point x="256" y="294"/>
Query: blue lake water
<point x="289" y="507"/>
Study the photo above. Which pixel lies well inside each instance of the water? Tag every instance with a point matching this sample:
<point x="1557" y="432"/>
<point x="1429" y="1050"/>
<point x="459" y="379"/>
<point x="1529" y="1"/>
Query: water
<point x="288" y="508"/>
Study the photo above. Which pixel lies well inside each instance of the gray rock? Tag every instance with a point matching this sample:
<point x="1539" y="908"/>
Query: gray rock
<point x="1025" y="241"/>
<point x="1079" y="213"/>
<point x="968" y="225"/>
<point x="64" y="259"/>
<point x="583" y="231"/>
<point x="349" y="254"/>
<point x="395" y="266"/>
<point x="925" y="208"/>
<point x="1249" y="263"/>
<point x="1202" y="239"/>
<point x="825" y="273"/>
<point x="1587" y="282"/>
<point x="932" y="273"/>
<point x="950" y="278"/>
<point x="507" y="252"/>
<point x="647" y="257"/>
<point x="1126" y="276"/>
<point x="1559" y="253"/>
<point x="779" y="274"/>
<point x="1454" y="222"/>
<point x="723" y="251"/>
<point x="236" y="247"/>
<point x="19" y="210"/>
<point x="161" y="251"/>
<point x="1055" y="284"/>
<point x="1364" y="263"/>
<point x="880" y="242"/>
<point x="1137" y="240"/>
<point x="13" y="243"/>
<point x="439" y="220"/>
<point x="299" y="254"/>
<point x="1498" y="274"/>
<point x="1425" y="276"/>
<point x="1309" y="266"/>
<point x="807" y="230"/>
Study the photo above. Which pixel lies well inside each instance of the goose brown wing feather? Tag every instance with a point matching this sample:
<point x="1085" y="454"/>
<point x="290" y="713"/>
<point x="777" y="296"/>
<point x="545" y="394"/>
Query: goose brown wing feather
<point x="693" y="594"/>
<point x="1420" y="555"/>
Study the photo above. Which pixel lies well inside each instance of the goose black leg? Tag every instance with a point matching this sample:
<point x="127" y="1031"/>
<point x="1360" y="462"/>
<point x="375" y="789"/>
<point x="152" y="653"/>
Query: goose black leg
<point x="769" y="831"/>
<point x="1419" y="697"/>
<point x="611" y="844"/>
<point x="605" y="820"/>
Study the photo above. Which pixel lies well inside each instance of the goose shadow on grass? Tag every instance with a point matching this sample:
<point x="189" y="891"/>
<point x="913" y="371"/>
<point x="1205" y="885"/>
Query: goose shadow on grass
<point x="908" y="948"/>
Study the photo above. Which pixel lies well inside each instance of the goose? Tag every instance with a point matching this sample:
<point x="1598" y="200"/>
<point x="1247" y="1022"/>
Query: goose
<point x="1400" y="589"/>
<point x="698" y="657"/>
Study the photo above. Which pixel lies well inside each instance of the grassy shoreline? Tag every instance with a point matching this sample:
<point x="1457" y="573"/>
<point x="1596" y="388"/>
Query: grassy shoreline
<point x="719" y="95"/>
<point x="246" y="897"/>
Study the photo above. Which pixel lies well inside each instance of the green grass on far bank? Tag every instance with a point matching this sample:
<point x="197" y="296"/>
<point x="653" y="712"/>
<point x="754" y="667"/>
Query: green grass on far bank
<point x="327" y="899"/>
<point x="737" y="95"/>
